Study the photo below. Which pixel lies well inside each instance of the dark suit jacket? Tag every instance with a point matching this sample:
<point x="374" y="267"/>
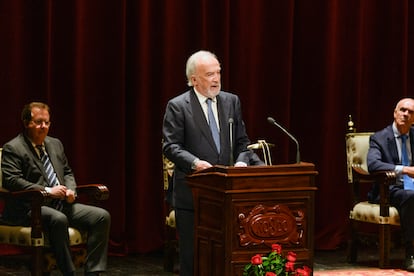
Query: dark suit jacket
<point x="23" y="170"/>
<point x="187" y="136"/>
<point x="383" y="155"/>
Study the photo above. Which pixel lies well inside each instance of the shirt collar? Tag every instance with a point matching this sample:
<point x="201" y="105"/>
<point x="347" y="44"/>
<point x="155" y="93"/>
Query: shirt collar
<point x="397" y="134"/>
<point x="202" y="98"/>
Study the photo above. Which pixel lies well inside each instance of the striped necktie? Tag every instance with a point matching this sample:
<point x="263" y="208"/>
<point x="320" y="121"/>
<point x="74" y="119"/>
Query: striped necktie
<point x="213" y="124"/>
<point x="51" y="175"/>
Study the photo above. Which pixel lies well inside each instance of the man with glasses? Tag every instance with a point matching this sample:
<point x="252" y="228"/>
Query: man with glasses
<point x="34" y="160"/>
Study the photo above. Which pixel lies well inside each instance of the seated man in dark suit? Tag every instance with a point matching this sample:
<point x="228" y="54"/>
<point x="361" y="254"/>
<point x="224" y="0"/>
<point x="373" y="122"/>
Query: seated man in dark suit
<point x="388" y="151"/>
<point x="34" y="160"/>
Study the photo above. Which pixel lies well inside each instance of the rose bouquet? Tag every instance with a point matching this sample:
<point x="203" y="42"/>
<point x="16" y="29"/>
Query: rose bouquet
<point x="274" y="264"/>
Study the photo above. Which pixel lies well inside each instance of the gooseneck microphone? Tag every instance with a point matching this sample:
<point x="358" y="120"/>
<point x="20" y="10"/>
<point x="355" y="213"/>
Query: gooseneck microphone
<point x="273" y="122"/>
<point x="231" y="140"/>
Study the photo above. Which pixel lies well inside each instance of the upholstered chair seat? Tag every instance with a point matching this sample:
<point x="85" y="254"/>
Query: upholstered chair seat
<point x="370" y="212"/>
<point x="21" y="236"/>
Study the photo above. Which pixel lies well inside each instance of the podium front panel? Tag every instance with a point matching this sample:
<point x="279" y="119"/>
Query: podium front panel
<point x="242" y="213"/>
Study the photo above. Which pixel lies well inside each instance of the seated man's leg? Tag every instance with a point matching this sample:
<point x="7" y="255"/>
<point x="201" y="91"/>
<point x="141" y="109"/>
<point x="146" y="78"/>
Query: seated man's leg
<point x="96" y="221"/>
<point x="404" y="201"/>
<point x="56" y="226"/>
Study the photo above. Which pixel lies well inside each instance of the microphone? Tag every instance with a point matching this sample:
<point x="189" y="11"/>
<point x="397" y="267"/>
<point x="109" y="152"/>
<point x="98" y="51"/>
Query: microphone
<point x="231" y="140"/>
<point x="273" y="122"/>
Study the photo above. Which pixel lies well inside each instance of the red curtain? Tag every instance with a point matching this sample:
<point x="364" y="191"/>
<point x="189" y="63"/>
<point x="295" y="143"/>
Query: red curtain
<point x="107" y="69"/>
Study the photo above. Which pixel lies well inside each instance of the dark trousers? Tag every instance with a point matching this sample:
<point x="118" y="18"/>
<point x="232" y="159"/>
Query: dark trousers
<point x="96" y="221"/>
<point x="185" y="228"/>
<point x="403" y="200"/>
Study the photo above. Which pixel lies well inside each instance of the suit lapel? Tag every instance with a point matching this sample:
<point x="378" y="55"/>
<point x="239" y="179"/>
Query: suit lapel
<point x="412" y="145"/>
<point x="37" y="161"/>
<point x="223" y="111"/>
<point x="392" y="147"/>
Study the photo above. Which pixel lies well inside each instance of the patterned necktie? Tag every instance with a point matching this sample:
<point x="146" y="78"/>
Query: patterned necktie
<point x="408" y="181"/>
<point x="51" y="175"/>
<point x="213" y="124"/>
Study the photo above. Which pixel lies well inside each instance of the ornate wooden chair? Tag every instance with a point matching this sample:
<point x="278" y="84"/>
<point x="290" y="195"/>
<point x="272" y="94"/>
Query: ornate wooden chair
<point x="382" y="215"/>
<point x="171" y="243"/>
<point x="31" y="240"/>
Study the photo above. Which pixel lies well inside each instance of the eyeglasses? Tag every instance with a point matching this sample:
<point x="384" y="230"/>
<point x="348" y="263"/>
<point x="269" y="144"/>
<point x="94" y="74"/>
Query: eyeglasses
<point x="41" y="122"/>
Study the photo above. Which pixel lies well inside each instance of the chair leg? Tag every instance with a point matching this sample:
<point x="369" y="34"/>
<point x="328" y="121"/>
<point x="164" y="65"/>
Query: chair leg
<point x="37" y="261"/>
<point x="169" y="249"/>
<point x="384" y="245"/>
<point x="352" y="249"/>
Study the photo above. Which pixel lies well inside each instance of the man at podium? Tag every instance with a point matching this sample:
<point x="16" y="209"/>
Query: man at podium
<point x="202" y="127"/>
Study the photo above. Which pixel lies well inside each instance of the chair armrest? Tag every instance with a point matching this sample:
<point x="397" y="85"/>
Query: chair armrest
<point x="95" y="192"/>
<point x="4" y="193"/>
<point x="360" y="172"/>
<point x="32" y="195"/>
<point x="382" y="178"/>
<point x="36" y="198"/>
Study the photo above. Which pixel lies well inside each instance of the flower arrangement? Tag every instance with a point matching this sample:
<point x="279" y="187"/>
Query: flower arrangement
<point x="274" y="264"/>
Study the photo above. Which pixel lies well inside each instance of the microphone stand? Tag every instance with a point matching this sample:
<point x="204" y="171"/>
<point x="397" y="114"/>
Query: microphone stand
<point x="231" y="141"/>
<point x="273" y="121"/>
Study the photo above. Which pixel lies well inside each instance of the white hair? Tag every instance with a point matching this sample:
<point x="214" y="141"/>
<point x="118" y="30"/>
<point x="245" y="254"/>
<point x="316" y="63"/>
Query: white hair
<point x="192" y="63"/>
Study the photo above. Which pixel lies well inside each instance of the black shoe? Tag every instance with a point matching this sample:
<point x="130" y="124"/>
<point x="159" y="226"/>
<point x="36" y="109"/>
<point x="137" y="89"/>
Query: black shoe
<point x="409" y="263"/>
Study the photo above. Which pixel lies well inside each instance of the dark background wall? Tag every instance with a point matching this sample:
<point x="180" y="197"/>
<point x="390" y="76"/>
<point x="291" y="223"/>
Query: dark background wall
<point x="107" y="69"/>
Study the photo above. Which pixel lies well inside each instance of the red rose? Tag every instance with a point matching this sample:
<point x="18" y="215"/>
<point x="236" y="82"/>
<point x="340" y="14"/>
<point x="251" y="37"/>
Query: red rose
<point x="257" y="259"/>
<point x="276" y="248"/>
<point x="302" y="272"/>
<point x="291" y="256"/>
<point x="270" y="274"/>
<point x="305" y="271"/>
<point x="290" y="266"/>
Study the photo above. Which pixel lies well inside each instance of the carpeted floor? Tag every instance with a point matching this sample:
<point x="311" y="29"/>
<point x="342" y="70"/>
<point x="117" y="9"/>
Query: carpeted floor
<point x="333" y="263"/>
<point x="326" y="263"/>
<point x="362" y="272"/>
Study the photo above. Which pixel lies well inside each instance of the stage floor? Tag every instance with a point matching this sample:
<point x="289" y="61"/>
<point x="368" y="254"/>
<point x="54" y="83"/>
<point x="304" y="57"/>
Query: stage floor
<point x="152" y="264"/>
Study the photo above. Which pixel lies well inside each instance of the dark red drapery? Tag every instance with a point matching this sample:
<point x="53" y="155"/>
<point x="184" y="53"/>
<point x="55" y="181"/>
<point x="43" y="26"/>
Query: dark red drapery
<point x="107" y="69"/>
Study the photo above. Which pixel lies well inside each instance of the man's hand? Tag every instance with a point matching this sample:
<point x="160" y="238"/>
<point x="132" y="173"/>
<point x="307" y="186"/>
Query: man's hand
<point x="240" y="164"/>
<point x="62" y="192"/>
<point x="408" y="170"/>
<point x="58" y="191"/>
<point x="201" y="165"/>
<point x="70" y="196"/>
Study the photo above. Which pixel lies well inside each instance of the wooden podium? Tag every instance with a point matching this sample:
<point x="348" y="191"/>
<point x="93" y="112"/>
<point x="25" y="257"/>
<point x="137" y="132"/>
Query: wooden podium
<point x="242" y="211"/>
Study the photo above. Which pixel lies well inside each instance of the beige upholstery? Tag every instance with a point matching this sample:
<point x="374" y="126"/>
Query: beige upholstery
<point x="170" y="219"/>
<point x="357" y="145"/>
<point x="19" y="235"/>
<point x="369" y="212"/>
